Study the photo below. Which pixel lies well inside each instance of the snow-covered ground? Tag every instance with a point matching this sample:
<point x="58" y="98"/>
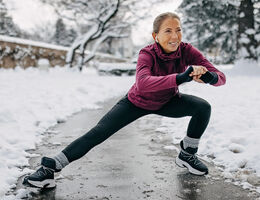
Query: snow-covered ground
<point x="32" y="100"/>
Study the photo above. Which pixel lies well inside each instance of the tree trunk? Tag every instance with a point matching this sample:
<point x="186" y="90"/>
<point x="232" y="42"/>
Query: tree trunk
<point x="246" y="42"/>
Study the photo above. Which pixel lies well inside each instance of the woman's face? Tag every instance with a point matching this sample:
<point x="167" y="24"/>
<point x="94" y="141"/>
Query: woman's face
<point x="169" y="35"/>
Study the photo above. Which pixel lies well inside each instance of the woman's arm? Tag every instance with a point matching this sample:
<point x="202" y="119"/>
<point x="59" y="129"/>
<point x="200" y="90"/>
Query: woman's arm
<point x="145" y="81"/>
<point x="212" y="74"/>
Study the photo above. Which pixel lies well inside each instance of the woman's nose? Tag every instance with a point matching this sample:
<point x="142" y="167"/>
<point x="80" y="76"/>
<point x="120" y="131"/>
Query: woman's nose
<point x="174" y="35"/>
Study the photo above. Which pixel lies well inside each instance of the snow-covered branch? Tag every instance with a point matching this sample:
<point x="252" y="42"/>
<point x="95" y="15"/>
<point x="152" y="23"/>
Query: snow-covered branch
<point x="78" y="43"/>
<point x="98" y="42"/>
<point x="95" y="32"/>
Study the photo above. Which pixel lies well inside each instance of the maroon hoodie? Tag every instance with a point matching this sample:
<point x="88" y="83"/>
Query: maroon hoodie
<point x="156" y="74"/>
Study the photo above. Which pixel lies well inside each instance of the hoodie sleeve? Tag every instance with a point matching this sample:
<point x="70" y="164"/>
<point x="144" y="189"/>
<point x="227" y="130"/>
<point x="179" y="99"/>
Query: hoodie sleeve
<point x="195" y="57"/>
<point x="145" y="81"/>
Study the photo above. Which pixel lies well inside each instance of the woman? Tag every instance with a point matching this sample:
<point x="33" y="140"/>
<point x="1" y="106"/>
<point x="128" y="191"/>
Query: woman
<point x="161" y="67"/>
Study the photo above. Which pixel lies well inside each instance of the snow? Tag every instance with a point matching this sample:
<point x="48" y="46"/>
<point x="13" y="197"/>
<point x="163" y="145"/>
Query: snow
<point x="257" y="37"/>
<point x="32" y="43"/>
<point x="32" y="100"/>
<point x="78" y="43"/>
<point x="43" y="64"/>
<point x="246" y="67"/>
<point x="250" y="31"/>
<point x="110" y="66"/>
<point x="244" y="40"/>
<point x="242" y="15"/>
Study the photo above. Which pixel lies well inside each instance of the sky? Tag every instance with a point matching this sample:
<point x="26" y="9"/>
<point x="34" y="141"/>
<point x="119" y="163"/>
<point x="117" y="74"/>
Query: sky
<point x="142" y="32"/>
<point x="28" y="14"/>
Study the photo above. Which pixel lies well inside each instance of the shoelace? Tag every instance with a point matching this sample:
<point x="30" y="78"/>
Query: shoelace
<point x="44" y="171"/>
<point x="192" y="158"/>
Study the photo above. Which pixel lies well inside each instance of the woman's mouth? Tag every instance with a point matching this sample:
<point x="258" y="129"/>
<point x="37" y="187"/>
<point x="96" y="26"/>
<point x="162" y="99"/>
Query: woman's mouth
<point x="173" y="44"/>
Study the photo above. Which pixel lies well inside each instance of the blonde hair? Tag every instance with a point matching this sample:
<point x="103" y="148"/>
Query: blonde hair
<point x="160" y="18"/>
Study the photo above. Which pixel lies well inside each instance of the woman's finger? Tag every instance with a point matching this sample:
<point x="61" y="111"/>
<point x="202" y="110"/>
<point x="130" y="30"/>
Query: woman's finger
<point x="198" y="71"/>
<point x="197" y="79"/>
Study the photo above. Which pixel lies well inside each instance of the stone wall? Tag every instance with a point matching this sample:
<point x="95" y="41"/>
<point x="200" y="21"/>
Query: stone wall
<point x="24" y="55"/>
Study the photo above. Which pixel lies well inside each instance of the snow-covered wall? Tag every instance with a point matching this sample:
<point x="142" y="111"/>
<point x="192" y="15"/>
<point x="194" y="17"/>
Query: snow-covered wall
<point x="26" y="53"/>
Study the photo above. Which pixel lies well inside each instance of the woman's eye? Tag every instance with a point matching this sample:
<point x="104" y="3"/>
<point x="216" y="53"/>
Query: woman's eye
<point x="168" y="31"/>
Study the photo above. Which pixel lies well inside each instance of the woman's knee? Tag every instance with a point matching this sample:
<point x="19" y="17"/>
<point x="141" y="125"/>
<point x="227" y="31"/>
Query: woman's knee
<point x="204" y="107"/>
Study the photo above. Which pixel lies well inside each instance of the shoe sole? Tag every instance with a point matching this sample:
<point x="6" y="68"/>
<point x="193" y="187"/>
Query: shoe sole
<point x="184" y="164"/>
<point x="48" y="183"/>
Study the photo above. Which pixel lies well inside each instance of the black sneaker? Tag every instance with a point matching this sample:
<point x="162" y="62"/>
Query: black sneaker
<point x="187" y="158"/>
<point x="44" y="176"/>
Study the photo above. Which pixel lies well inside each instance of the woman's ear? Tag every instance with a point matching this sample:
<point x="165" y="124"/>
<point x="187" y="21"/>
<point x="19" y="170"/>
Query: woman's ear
<point x="155" y="37"/>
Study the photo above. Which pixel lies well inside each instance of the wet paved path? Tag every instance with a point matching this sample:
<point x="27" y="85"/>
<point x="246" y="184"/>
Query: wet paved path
<point x="130" y="165"/>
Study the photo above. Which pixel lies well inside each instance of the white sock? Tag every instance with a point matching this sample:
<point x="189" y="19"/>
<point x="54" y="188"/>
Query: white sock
<point x="61" y="160"/>
<point x="190" y="142"/>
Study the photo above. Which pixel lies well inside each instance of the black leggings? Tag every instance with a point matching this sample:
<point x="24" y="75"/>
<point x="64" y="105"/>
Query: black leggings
<point x="125" y="112"/>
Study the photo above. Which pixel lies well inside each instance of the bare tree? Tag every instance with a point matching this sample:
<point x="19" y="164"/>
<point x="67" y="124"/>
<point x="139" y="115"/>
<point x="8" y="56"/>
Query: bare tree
<point x="100" y="30"/>
<point x="101" y="19"/>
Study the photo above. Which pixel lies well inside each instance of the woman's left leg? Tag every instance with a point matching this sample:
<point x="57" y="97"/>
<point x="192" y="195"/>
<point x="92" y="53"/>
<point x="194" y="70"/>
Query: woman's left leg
<point x="199" y="110"/>
<point x="189" y="105"/>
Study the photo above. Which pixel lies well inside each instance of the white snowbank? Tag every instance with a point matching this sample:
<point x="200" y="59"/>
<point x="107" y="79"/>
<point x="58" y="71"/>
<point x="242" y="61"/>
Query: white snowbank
<point x="111" y="66"/>
<point x="32" y="100"/>
<point x="246" y="68"/>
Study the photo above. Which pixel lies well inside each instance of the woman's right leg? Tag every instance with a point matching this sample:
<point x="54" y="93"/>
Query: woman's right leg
<point x="123" y="113"/>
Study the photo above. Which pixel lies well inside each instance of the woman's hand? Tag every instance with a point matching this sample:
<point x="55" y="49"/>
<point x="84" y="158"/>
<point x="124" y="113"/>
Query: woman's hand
<point x="197" y="72"/>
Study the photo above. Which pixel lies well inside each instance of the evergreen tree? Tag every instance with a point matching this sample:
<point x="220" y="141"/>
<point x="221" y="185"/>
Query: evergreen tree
<point x="246" y="42"/>
<point x="216" y="27"/>
<point x="62" y="36"/>
<point x="60" y="33"/>
<point x="257" y="29"/>
<point x="7" y="27"/>
<point x="71" y="36"/>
